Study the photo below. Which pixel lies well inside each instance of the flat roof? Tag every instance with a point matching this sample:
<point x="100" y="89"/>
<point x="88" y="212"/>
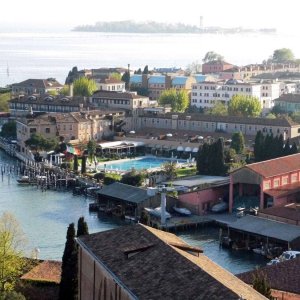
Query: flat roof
<point x="122" y="144"/>
<point x="267" y="228"/>
<point x="124" y="192"/>
<point x="199" y="180"/>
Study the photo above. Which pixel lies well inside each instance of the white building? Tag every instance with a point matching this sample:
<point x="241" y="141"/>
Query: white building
<point x="206" y="94"/>
<point x="110" y="84"/>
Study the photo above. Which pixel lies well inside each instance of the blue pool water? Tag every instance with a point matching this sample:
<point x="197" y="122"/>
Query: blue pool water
<point x="137" y="163"/>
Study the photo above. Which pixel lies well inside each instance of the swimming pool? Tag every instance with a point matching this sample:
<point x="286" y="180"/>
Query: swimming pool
<point x="146" y="162"/>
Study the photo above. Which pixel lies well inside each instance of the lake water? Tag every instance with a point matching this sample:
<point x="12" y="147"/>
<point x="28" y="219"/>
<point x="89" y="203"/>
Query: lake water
<point x="45" y="216"/>
<point x="44" y="54"/>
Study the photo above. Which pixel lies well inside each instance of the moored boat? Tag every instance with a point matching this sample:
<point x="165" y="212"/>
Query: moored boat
<point x="182" y="210"/>
<point x="24" y="180"/>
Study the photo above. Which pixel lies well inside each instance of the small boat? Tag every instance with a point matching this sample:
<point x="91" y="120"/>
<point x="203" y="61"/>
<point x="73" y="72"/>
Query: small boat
<point x="287" y="255"/>
<point x="219" y="207"/>
<point x="156" y="212"/>
<point x="273" y="262"/>
<point x="24" y="180"/>
<point x="182" y="210"/>
<point x="260" y="251"/>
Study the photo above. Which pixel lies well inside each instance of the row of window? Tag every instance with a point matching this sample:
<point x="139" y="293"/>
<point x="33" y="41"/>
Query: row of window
<point x="224" y="88"/>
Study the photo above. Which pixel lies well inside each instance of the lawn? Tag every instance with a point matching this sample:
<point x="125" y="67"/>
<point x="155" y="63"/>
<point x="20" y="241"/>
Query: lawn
<point x="186" y="172"/>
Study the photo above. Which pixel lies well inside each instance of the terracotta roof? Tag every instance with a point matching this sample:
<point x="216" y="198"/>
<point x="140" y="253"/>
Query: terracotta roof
<point x="290" y="211"/>
<point x="39" y="83"/>
<point x="284" y="276"/>
<point x="47" y="270"/>
<point x="116" y="95"/>
<point x="159" y="268"/>
<point x="284" y="190"/>
<point x="110" y="81"/>
<point x="216" y="62"/>
<point x="276" y="166"/>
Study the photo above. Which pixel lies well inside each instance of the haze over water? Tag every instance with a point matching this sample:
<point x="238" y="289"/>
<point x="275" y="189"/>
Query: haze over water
<point x="52" y="53"/>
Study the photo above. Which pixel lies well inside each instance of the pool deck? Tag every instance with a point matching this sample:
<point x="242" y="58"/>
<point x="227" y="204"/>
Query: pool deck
<point x="193" y="221"/>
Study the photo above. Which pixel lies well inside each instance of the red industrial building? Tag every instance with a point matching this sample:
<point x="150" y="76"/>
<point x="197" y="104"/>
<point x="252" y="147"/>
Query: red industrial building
<point x="274" y="182"/>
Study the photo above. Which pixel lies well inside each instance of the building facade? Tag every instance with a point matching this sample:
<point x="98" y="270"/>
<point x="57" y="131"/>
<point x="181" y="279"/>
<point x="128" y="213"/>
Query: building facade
<point x="215" y="66"/>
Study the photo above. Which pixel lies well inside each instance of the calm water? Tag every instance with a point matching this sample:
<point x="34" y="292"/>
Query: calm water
<point x="138" y="163"/>
<point x="45" y="216"/>
<point x="43" y="54"/>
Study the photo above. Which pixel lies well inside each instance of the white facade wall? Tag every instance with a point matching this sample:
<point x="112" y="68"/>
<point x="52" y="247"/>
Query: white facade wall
<point x="206" y="94"/>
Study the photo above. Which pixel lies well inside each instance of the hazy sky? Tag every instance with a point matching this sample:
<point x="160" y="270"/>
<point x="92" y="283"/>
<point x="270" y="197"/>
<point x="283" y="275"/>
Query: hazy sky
<point x="254" y="14"/>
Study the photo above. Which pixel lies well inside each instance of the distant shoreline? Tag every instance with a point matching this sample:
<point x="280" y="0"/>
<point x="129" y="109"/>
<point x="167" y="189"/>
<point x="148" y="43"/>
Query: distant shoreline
<point x="154" y="27"/>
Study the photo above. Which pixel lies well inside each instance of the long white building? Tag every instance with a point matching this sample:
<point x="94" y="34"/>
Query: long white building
<point x="206" y="94"/>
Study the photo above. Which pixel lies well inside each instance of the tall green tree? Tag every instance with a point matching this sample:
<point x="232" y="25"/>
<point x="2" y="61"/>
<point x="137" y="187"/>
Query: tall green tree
<point x="219" y="109"/>
<point x="139" y="71"/>
<point x="75" y="165"/>
<point x="68" y="288"/>
<point x="217" y="159"/>
<point x="259" y="146"/>
<point x="84" y="87"/>
<point x="146" y="70"/>
<point x="38" y="142"/>
<point x="91" y="148"/>
<point x="245" y="106"/>
<point x="202" y="162"/>
<point x="211" y="56"/>
<point x="283" y="55"/>
<point x="9" y="130"/>
<point x="12" y="245"/>
<point x="116" y="75"/>
<point x="126" y="79"/>
<point x="261" y="284"/>
<point x="133" y="178"/>
<point x="83" y="164"/>
<point x="294" y="148"/>
<point x="238" y="142"/>
<point x="82" y="227"/>
<point x="179" y="100"/>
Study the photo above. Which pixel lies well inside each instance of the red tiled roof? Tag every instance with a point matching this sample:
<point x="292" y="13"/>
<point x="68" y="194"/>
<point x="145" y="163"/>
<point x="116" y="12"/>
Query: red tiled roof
<point x="48" y="270"/>
<point x="277" y="166"/>
<point x="284" y="276"/>
<point x="291" y="212"/>
<point x="284" y="190"/>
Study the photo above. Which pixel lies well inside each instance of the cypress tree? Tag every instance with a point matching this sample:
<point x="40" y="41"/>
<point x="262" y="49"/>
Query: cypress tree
<point x="68" y="289"/>
<point x="75" y="167"/>
<point x="268" y="145"/>
<point x="83" y="164"/>
<point x="217" y="159"/>
<point x="259" y="146"/>
<point x="280" y="146"/>
<point x="202" y="159"/>
<point x="287" y="150"/>
<point x="146" y="70"/>
<point x="294" y="149"/>
<point x="238" y="142"/>
<point x="261" y="285"/>
<point x="82" y="227"/>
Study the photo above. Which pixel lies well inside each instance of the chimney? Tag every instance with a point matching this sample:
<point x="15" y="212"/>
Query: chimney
<point x="71" y="90"/>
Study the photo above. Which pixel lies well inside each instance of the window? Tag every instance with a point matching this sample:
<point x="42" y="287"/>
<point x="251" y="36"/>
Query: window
<point x="285" y="180"/>
<point x="32" y="130"/>
<point x="47" y="130"/>
<point x="266" y="185"/>
<point x="276" y="183"/>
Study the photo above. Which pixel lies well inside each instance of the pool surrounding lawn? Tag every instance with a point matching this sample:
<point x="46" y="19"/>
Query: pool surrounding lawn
<point x="140" y="163"/>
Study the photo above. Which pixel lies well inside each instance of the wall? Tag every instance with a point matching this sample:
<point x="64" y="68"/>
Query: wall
<point x="201" y="201"/>
<point x="281" y="295"/>
<point x="95" y="282"/>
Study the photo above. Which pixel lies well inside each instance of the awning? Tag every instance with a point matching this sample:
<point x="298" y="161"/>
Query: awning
<point x="188" y="149"/>
<point x="195" y="150"/>
<point x="179" y="148"/>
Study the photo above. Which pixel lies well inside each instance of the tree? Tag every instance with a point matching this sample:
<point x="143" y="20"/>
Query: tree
<point x="238" y="142"/>
<point x="82" y="227"/>
<point x="217" y="159"/>
<point x="72" y="76"/>
<point x="12" y="244"/>
<point x="259" y="146"/>
<point x="126" y="79"/>
<point x="211" y="56"/>
<point x="143" y="91"/>
<point x="9" y="130"/>
<point x="139" y="71"/>
<point x="169" y="169"/>
<point x="84" y="87"/>
<point x="179" y="100"/>
<point x="38" y="142"/>
<point x="294" y="149"/>
<point x="245" y="106"/>
<point x="65" y="90"/>
<point x="75" y="166"/>
<point x="193" y="68"/>
<point x="146" y="70"/>
<point x="91" y="148"/>
<point x="116" y="75"/>
<point x="133" y="178"/>
<point x="261" y="285"/>
<point x="219" y="109"/>
<point x="83" y="164"/>
<point x="203" y="160"/>
<point x="11" y="295"/>
<point x="283" y="55"/>
<point x="68" y="288"/>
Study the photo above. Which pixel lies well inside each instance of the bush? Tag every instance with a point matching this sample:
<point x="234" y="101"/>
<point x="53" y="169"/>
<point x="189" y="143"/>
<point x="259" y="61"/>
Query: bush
<point x="111" y="178"/>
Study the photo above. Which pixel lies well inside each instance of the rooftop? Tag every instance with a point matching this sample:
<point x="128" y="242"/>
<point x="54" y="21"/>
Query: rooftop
<point x="157" y="79"/>
<point x="124" y="192"/>
<point x="40" y="83"/>
<point x="290" y="211"/>
<point x="276" y="166"/>
<point x="171" y="269"/>
<point x="47" y="270"/>
<point x="266" y="227"/>
<point x="291" y="98"/>
<point x="179" y="80"/>
<point x="116" y="95"/>
<point x="284" y="276"/>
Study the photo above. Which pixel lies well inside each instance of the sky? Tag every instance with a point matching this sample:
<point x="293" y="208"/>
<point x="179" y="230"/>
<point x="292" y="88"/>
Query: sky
<point x="233" y="13"/>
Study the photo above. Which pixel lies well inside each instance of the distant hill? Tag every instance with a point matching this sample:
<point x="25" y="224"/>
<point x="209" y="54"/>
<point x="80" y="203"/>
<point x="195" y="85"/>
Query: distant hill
<point x="155" y="27"/>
